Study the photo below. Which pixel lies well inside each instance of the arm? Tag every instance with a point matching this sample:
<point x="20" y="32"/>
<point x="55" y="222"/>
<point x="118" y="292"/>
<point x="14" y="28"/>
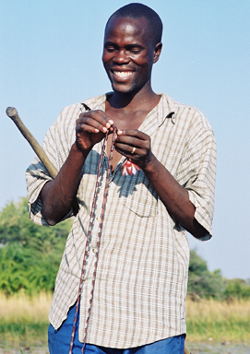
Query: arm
<point x="57" y="195"/>
<point x="173" y="195"/>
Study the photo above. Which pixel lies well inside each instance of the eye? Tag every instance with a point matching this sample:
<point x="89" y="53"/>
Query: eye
<point x="110" y="49"/>
<point x="135" y="50"/>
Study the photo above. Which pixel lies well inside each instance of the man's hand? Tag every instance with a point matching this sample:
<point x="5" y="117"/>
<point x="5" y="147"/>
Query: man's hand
<point x="134" y="145"/>
<point x="58" y="195"/>
<point x="91" y="127"/>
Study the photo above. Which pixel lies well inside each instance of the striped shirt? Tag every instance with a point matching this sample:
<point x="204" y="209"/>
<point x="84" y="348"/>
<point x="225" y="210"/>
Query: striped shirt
<point x="141" y="279"/>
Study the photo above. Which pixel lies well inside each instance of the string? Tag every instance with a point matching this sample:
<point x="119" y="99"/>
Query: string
<point x="105" y="195"/>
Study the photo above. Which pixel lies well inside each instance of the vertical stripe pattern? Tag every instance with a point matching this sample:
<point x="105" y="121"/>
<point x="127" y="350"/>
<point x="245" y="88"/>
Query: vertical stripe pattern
<point x="141" y="277"/>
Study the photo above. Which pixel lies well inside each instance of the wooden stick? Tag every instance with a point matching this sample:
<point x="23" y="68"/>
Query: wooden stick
<point x="13" y="114"/>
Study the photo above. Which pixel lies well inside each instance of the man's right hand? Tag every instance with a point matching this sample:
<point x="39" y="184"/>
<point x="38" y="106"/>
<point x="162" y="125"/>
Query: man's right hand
<point x="57" y="196"/>
<point x="91" y="127"/>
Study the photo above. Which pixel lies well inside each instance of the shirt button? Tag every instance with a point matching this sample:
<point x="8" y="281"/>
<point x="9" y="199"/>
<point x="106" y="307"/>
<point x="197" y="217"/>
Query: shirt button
<point x="94" y="250"/>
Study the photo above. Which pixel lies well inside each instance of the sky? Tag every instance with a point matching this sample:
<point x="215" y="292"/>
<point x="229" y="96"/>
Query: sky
<point x="50" y="57"/>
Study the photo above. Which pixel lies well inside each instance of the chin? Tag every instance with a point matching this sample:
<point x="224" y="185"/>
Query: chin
<point x="119" y="88"/>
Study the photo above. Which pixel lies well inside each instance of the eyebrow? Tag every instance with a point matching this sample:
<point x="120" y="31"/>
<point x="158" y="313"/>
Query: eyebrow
<point x="128" y="46"/>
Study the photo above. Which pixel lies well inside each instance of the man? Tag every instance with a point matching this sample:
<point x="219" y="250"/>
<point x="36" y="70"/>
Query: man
<point x="161" y="184"/>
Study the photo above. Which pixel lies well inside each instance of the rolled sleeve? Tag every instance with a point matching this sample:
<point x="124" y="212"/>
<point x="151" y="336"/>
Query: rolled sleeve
<point x="201" y="214"/>
<point x="201" y="187"/>
<point x="197" y="174"/>
<point x="37" y="175"/>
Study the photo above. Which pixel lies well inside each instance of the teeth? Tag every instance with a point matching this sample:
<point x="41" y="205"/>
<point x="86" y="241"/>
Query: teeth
<point x="123" y="73"/>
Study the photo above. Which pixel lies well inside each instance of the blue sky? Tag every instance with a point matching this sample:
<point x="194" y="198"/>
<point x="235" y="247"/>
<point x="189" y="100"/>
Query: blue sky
<point x="50" y="57"/>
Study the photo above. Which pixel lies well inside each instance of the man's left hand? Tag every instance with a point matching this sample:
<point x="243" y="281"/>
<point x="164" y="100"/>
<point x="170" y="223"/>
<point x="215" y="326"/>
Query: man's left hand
<point x="134" y="145"/>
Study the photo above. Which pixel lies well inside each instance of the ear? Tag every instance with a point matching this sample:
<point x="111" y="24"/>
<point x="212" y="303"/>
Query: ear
<point x="157" y="51"/>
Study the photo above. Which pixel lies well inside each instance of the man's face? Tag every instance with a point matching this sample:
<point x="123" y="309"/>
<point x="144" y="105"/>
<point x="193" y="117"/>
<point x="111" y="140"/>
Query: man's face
<point x="128" y="54"/>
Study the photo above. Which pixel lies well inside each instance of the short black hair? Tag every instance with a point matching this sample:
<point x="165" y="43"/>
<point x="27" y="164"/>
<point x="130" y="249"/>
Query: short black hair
<point x="137" y="10"/>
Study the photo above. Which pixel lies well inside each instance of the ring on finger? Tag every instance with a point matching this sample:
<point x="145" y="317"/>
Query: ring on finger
<point x="133" y="151"/>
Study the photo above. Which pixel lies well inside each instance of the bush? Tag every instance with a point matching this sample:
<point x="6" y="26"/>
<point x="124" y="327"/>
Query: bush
<point x="29" y="254"/>
<point x="237" y="288"/>
<point x="201" y="282"/>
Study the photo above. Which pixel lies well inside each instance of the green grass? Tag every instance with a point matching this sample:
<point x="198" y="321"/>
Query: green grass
<point x="23" y="332"/>
<point x="219" y="331"/>
<point x="24" y="319"/>
<point x="218" y="321"/>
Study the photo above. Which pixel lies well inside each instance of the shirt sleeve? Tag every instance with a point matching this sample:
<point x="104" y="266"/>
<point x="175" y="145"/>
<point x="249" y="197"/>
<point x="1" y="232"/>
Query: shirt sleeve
<point x="198" y="170"/>
<point x="57" y="148"/>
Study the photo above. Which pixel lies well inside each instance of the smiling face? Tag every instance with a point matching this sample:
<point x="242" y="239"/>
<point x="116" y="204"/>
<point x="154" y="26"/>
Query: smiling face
<point x="129" y="53"/>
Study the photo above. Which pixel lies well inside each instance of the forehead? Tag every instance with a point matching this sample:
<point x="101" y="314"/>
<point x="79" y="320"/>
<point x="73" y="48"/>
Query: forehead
<point x="130" y="29"/>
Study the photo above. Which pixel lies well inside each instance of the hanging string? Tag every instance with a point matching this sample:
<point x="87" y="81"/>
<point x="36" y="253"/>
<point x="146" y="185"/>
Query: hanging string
<point x="87" y="246"/>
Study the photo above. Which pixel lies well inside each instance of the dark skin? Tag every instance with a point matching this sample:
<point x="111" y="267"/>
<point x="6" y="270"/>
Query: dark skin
<point x="128" y="56"/>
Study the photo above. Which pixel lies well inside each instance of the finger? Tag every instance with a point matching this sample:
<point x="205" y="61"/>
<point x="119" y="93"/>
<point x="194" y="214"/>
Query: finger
<point x="94" y="122"/>
<point x="88" y="128"/>
<point x="129" y="142"/>
<point x="135" y="145"/>
<point x="133" y="133"/>
<point x="131" y="151"/>
<point x="99" y="116"/>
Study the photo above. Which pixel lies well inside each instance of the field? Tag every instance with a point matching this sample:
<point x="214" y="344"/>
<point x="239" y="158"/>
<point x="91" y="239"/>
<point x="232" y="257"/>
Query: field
<point x="218" y="321"/>
<point x="24" y="322"/>
<point x="24" y="319"/>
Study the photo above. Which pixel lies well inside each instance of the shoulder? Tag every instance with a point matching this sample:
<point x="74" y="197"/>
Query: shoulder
<point x="95" y="102"/>
<point x="187" y="115"/>
<point x="72" y="112"/>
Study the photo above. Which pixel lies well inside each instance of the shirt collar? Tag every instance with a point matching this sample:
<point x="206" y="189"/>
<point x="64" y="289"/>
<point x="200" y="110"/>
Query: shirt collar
<point x="166" y="107"/>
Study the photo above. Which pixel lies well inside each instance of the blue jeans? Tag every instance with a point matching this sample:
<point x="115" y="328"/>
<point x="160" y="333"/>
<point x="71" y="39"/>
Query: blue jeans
<point x="59" y="342"/>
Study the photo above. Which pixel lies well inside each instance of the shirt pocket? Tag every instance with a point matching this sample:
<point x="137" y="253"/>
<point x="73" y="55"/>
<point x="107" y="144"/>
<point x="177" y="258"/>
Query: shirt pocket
<point x="140" y="197"/>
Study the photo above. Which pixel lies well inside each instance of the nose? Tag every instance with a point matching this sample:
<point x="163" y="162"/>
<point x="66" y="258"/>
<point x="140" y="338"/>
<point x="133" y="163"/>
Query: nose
<point x="121" y="57"/>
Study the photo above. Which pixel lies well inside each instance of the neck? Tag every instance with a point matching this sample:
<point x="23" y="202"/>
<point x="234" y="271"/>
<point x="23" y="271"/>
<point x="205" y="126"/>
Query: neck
<point x="134" y="101"/>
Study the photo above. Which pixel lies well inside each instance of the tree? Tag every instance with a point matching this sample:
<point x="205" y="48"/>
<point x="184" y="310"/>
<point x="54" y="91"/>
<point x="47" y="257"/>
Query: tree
<point x="29" y="254"/>
<point x="202" y="282"/>
<point x="15" y="226"/>
<point x="237" y="288"/>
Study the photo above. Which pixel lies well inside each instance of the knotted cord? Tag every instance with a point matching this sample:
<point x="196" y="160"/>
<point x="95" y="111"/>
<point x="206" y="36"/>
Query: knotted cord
<point x="89" y="237"/>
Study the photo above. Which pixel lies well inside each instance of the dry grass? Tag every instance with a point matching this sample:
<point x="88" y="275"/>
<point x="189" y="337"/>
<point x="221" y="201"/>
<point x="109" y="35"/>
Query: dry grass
<point x="25" y="318"/>
<point x="218" y="320"/>
<point x="21" y="308"/>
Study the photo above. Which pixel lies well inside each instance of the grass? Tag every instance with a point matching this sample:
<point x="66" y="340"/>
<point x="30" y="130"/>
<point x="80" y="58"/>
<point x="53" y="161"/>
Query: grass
<point x="24" y="319"/>
<point x="218" y="321"/>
